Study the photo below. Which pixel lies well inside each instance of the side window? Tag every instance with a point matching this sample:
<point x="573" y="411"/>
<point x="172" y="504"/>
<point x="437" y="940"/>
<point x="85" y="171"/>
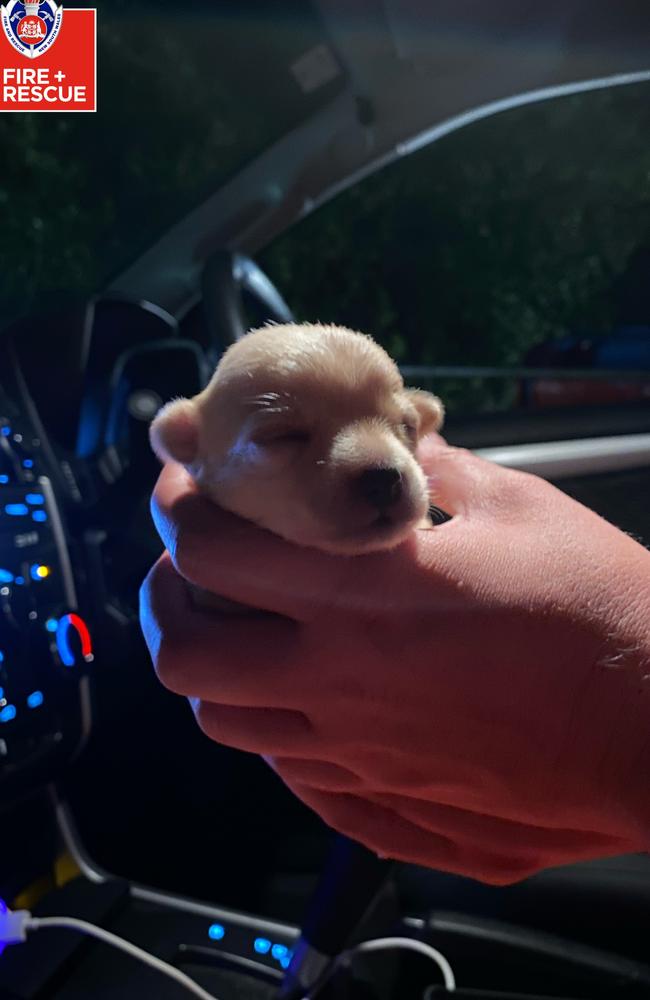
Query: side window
<point x="519" y="242"/>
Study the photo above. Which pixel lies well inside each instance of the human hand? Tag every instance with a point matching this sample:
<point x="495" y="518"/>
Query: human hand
<point x="473" y="701"/>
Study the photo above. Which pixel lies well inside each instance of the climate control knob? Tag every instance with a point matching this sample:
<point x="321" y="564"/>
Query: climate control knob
<point x="73" y="641"/>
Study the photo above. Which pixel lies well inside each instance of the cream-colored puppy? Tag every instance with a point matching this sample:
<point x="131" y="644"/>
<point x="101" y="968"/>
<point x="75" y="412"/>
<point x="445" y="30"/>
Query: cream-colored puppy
<point x="308" y="431"/>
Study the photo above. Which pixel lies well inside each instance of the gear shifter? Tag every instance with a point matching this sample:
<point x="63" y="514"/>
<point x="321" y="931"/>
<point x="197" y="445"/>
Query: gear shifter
<point x="349" y="884"/>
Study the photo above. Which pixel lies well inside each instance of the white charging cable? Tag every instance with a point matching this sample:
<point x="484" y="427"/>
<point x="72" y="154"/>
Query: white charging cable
<point x="14" y="927"/>
<point x="389" y="944"/>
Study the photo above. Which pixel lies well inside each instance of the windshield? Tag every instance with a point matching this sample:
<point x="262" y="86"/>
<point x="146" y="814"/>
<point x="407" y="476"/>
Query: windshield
<point x="179" y="112"/>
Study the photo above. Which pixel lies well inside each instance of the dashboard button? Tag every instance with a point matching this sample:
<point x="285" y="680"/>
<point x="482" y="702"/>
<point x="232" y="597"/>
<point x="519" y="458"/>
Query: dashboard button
<point x="17" y="509"/>
<point x="35" y="699"/>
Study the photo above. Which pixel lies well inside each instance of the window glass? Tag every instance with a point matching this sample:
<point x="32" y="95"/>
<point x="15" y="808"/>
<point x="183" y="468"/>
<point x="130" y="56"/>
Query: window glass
<point x="520" y="240"/>
<point x="82" y="195"/>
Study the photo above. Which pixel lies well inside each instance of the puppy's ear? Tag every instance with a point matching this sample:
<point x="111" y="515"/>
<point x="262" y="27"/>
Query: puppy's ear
<point x="431" y="410"/>
<point x="174" y="433"/>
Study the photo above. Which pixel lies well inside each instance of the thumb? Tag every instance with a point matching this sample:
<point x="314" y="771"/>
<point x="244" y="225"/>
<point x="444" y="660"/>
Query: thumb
<point x="458" y="479"/>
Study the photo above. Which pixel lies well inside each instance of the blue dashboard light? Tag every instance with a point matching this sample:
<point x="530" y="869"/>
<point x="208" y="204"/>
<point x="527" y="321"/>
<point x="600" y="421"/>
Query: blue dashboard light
<point x="3" y="909"/>
<point x="4" y="479"/>
<point x="6" y="431"/>
<point x="35" y="699"/>
<point x="286" y="961"/>
<point x="28" y="463"/>
<point x="8" y="713"/>
<point x="51" y="624"/>
<point x="39" y="516"/>
<point x="262" y="946"/>
<point x="19" y="580"/>
<point x="216" y="932"/>
<point x="2" y="693"/>
<point x="35" y="499"/>
<point x="6" y="576"/>
<point x="16" y="509"/>
<point x="63" y="644"/>
<point x="2" y="656"/>
<point x="279" y="952"/>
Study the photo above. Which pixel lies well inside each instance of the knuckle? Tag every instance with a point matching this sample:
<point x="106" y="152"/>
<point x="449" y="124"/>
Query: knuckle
<point x="171" y="664"/>
<point x="334" y="809"/>
<point x="458" y="454"/>
<point x="148" y="586"/>
<point x="444" y="456"/>
<point x="186" y="551"/>
<point x="169" y="672"/>
<point x="521" y="489"/>
<point x="155" y="582"/>
<point x="459" y="463"/>
<point x="207" y="720"/>
<point x="144" y="596"/>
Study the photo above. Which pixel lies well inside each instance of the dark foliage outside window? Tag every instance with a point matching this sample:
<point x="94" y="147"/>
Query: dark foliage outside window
<point x="521" y="239"/>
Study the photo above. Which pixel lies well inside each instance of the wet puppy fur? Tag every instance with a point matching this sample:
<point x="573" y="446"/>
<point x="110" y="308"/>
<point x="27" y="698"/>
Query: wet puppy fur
<point x="309" y="432"/>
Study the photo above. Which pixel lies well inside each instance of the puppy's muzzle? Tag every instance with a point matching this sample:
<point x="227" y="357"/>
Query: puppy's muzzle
<point x="381" y="488"/>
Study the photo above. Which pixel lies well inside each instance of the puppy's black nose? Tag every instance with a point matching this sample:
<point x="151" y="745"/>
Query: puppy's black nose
<point x="380" y="487"/>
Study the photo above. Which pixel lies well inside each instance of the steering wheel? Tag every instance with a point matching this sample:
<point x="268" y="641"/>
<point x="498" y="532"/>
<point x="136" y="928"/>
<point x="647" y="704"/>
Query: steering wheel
<point x="227" y="279"/>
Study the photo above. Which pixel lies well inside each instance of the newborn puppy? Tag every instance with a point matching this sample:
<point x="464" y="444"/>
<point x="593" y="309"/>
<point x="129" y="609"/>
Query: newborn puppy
<point x="309" y="432"/>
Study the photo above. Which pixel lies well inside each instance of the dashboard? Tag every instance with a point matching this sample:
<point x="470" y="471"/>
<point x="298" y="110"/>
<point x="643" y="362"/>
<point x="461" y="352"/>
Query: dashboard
<point x="46" y="648"/>
<point x="75" y="536"/>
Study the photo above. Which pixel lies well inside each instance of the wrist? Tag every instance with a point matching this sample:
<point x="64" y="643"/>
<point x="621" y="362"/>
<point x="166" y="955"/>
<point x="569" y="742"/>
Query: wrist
<point x="631" y="657"/>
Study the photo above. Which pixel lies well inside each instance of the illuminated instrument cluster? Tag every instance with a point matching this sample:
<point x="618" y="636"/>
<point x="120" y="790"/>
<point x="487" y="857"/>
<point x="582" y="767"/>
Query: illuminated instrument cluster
<point x="46" y="649"/>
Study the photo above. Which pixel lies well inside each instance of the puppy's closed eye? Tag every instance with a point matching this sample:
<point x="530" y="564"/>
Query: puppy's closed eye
<point x="290" y="436"/>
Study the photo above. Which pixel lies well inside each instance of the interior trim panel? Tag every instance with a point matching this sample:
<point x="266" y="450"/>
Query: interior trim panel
<point x="565" y="459"/>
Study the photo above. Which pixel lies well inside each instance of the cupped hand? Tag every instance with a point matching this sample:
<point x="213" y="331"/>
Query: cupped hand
<point x="476" y="700"/>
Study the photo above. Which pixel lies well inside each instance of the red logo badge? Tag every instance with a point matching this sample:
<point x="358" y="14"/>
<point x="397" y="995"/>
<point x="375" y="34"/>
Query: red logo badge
<point x="48" y="62"/>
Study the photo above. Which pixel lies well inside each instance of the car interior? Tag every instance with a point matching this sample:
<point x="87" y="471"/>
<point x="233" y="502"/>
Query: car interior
<point x="469" y="183"/>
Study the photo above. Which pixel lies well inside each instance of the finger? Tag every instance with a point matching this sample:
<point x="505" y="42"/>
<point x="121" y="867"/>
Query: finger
<point x="267" y="731"/>
<point x="387" y="832"/>
<point x="457" y="479"/>
<point x="528" y="846"/>
<point x="228" y="556"/>
<point x="234" y="660"/>
<point x="391" y="836"/>
<point x="319" y="774"/>
<point x="234" y="558"/>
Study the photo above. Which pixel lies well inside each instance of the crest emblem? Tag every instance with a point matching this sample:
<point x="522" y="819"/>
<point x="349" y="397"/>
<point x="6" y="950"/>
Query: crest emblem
<point x="31" y="25"/>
